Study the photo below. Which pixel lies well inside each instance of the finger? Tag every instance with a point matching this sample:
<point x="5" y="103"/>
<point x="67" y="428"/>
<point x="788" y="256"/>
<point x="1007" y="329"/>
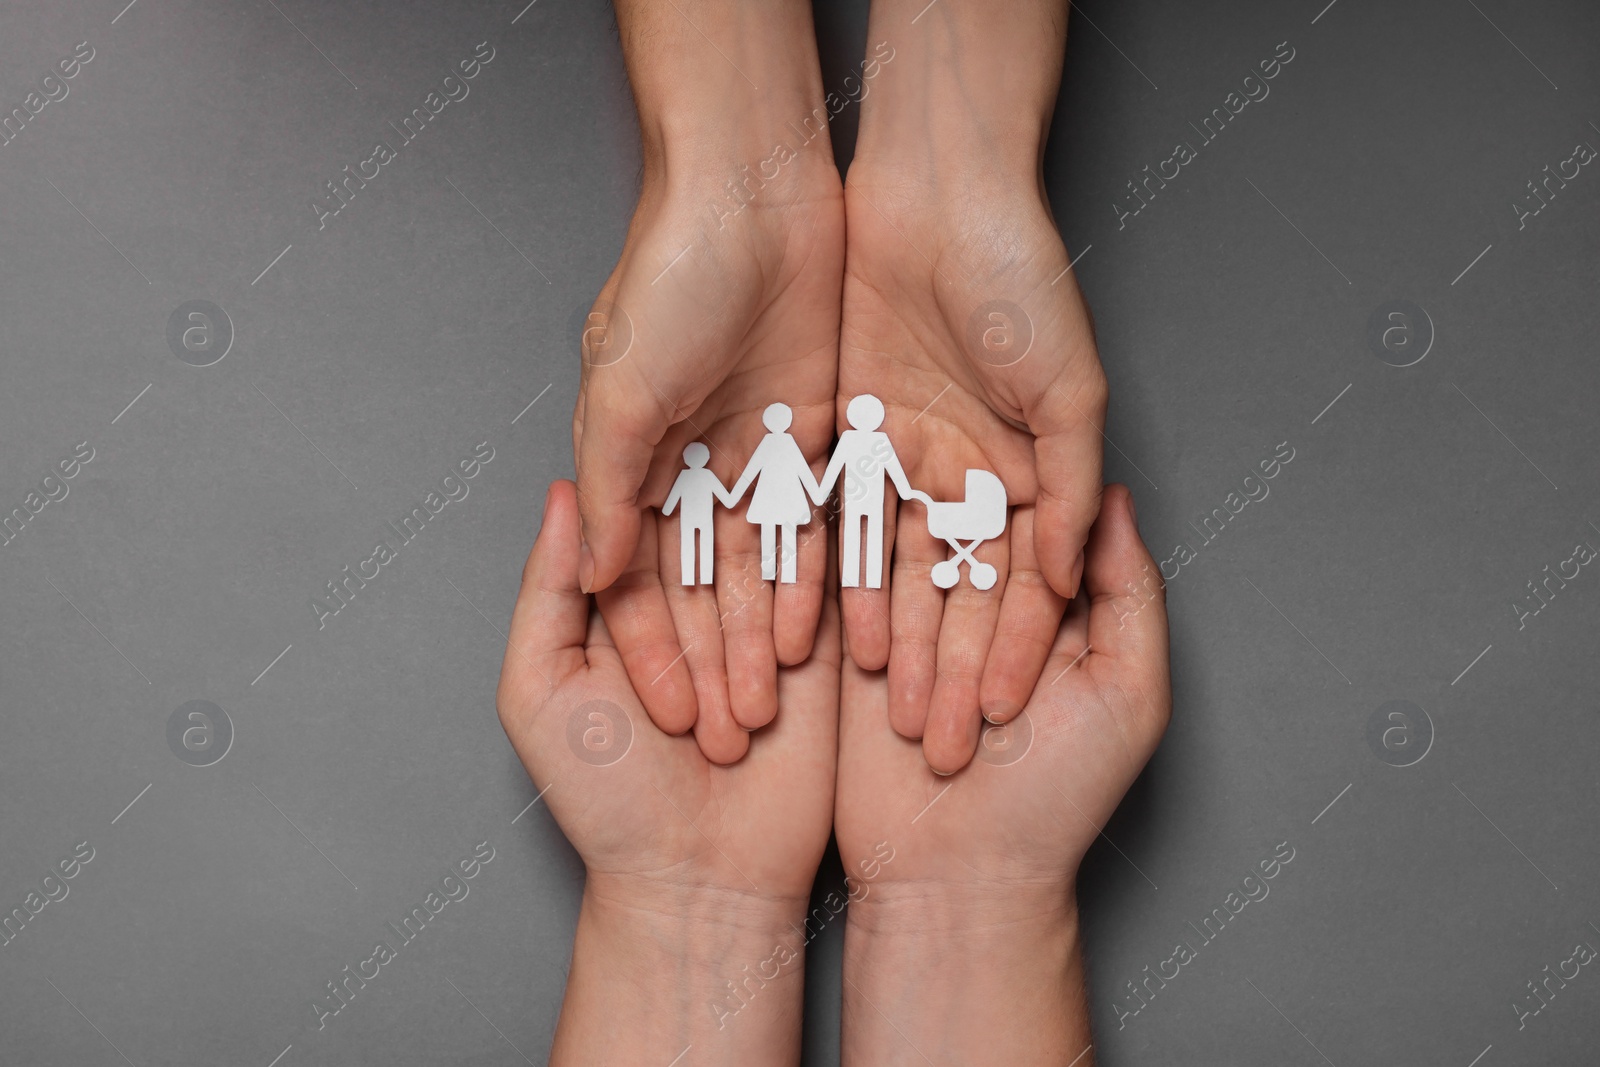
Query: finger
<point x="545" y="641"/>
<point x="866" y="610"/>
<point x="1067" y="414"/>
<point x="623" y="421"/>
<point x="797" y="605"/>
<point x="916" y="609"/>
<point x="1128" y="599"/>
<point x="966" y="634"/>
<point x="641" y="625"/>
<point x="1030" y="615"/>
<point x="696" y="615"/>
<point x="744" y="600"/>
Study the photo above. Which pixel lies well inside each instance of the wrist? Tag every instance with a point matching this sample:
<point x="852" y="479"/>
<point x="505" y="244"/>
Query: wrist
<point x="941" y="966"/>
<point x="972" y="89"/>
<point x="657" y="968"/>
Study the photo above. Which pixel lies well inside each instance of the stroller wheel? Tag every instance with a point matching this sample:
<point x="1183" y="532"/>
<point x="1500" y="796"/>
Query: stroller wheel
<point x="984" y="576"/>
<point x="946" y="574"/>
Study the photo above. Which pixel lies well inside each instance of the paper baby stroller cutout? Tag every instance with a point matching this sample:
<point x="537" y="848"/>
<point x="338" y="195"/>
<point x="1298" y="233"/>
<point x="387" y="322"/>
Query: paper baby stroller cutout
<point x="785" y="491"/>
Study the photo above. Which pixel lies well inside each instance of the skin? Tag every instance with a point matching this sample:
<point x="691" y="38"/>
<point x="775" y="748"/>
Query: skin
<point x="966" y="948"/>
<point x="748" y="315"/>
<point x="946" y="211"/>
<point x="694" y="870"/>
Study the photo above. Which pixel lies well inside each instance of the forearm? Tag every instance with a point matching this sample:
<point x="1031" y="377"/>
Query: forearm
<point x="971" y="85"/>
<point x="997" y="979"/>
<point x="655" y="974"/>
<point x="718" y="82"/>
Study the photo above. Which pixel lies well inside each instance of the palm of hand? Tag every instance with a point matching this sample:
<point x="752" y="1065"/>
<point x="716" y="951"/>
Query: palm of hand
<point x="1026" y="811"/>
<point x="949" y="316"/>
<point x="747" y="316"/>
<point x="641" y="806"/>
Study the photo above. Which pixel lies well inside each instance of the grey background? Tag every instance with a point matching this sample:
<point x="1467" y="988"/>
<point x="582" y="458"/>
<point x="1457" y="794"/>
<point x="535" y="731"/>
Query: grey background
<point x="424" y="319"/>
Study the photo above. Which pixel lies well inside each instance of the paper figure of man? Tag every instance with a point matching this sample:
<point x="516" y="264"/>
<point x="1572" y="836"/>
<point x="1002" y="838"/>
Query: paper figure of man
<point x="697" y="488"/>
<point x="863" y="456"/>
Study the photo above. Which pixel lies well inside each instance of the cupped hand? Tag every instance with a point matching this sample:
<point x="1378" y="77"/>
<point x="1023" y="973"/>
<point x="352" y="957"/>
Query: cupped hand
<point x="651" y="816"/>
<point x="960" y="314"/>
<point x="712" y="313"/>
<point x="1015" y="825"/>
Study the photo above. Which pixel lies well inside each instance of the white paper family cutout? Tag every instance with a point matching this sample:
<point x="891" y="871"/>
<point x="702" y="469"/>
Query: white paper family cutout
<point x="785" y="492"/>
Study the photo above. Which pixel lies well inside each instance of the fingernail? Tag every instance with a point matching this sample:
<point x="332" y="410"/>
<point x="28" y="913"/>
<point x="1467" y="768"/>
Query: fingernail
<point x="1133" y="513"/>
<point x="1077" y="574"/>
<point x="585" y="567"/>
<point x="941" y="774"/>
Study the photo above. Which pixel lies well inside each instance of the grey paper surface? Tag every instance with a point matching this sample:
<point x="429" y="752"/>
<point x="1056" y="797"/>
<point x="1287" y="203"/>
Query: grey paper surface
<point x="1441" y="859"/>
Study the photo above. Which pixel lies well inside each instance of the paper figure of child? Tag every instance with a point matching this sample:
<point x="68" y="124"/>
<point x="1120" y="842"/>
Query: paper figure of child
<point x="696" y="489"/>
<point x="784" y="491"/>
<point x="864" y="456"/>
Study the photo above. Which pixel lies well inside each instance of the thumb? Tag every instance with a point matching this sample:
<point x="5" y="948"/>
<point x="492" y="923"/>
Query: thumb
<point x="1128" y="598"/>
<point x="623" y="421"/>
<point x="545" y="644"/>
<point x="1068" y="447"/>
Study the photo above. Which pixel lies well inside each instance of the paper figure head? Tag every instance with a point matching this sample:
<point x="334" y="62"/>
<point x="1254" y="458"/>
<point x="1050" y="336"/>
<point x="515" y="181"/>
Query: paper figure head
<point x="777" y="418"/>
<point x="865" y="412"/>
<point x="697" y="454"/>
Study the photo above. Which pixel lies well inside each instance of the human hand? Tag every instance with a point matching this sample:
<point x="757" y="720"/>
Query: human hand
<point x="725" y="298"/>
<point x="694" y="869"/>
<point x="960" y="314"/>
<point x="975" y="920"/>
